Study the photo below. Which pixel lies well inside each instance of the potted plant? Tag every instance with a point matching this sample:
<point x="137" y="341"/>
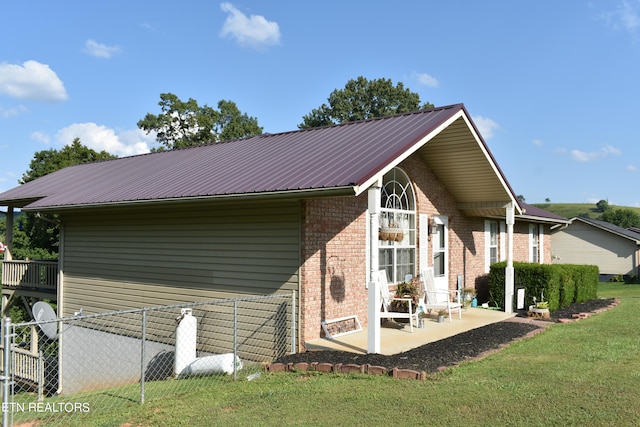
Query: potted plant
<point x="441" y="314"/>
<point x="410" y="289"/>
<point x="539" y="309"/>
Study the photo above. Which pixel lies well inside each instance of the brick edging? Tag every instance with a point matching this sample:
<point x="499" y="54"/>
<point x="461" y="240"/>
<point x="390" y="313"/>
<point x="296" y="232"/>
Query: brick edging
<point x="346" y="368"/>
<point x="580" y="316"/>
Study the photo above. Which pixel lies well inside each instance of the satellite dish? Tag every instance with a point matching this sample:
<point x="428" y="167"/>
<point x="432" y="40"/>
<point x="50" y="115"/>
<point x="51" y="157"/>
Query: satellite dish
<point x="43" y="312"/>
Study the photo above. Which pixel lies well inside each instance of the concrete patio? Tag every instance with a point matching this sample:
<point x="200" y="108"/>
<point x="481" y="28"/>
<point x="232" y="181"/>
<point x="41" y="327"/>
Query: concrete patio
<point x="393" y="340"/>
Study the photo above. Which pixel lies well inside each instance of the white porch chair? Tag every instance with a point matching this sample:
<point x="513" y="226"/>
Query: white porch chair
<point x="387" y="299"/>
<point x="438" y="299"/>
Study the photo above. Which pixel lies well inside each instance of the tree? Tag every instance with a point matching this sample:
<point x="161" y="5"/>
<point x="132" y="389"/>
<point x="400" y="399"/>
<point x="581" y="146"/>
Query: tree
<point x="184" y="124"/>
<point x="41" y="235"/>
<point x="624" y="218"/>
<point x="520" y="198"/>
<point x="547" y="200"/>
<point x="603" y="205"/>
<point x="363" y="99"/>
<point x="47" y="161"/>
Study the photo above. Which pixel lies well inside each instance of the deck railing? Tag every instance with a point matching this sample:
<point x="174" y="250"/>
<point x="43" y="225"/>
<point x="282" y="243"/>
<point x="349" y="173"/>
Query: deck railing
<point x="26" y="366"/>
<point x="18" y="274"/>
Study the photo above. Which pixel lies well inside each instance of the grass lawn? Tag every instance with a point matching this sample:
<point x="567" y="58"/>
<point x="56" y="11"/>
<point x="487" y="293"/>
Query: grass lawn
<point x="582" y="373"/>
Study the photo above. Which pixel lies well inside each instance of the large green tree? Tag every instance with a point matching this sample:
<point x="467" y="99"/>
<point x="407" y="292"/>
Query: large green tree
<point x="47" y="161"/>
<point x="364" y="99"/>
<point x="184" y="124"/>
<point x="41" y="234"/>
<point x="624" y="218"/>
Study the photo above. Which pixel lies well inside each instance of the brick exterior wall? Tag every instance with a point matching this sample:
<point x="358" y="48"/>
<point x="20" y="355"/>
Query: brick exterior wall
<point x="333" y="274"/>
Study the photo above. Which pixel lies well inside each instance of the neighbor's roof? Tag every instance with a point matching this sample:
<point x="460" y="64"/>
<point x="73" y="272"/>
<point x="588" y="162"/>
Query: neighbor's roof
<point x="538" y="214"/>
<point x="611" y="228"/>
<point x="342" y="159"/>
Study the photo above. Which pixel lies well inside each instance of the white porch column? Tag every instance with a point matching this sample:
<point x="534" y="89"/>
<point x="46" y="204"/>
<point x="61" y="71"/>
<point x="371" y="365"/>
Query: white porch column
<point x="373" y="314"/>
<point x="509" y="274"/>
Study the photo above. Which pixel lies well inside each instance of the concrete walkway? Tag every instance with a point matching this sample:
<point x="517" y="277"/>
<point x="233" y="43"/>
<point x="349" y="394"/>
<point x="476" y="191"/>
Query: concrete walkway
<point x="393" y="341"/>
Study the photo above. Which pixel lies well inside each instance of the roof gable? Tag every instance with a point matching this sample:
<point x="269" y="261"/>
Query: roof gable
<point x="611" y="228"/>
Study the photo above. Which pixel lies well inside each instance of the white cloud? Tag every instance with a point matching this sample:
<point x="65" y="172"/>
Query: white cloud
<point x="626" y="16"/>
<point x="12" y="112"/>
<point x="31" y="80"/>
<point x="486" y="126"/>
<point x="537" y="142"/>
<point x="632" y="168"/>
<point x="589" y="156"/>
<point x="100" y="50"/>
<point x="254" y="31"/>
<point x="41" y="137"/>
<point x="426" y="79"/>
<point x="98" y="137"/>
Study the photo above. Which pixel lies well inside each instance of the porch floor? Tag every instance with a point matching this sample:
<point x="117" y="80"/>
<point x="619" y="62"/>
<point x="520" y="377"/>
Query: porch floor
<point x="393" y="341"/>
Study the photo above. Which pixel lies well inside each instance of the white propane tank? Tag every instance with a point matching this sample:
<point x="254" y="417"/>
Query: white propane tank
<point x="186" y="331"/>
<point x="216" y="364"/>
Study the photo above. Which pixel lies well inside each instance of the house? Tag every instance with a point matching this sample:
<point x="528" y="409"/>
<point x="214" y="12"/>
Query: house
<point x="317" y="211"/>
<point x="615" y="250"/>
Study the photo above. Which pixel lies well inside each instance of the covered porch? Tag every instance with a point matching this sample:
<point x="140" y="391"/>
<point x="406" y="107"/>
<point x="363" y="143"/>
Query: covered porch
<point x="394" y="340"/>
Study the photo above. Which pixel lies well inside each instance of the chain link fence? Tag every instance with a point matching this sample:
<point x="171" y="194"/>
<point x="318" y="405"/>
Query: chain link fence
<point x="92" y="365"/>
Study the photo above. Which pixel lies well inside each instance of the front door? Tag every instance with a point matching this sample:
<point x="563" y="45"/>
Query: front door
<point x="440" y="240"/>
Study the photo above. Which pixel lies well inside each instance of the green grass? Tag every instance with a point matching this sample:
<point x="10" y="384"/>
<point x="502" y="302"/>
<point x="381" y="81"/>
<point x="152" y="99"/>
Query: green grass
<point x="570" y="210"/>
<point x="582" y="373"/>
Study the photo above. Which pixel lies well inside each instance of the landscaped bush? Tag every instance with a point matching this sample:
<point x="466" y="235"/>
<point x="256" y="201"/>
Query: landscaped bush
<point x="559" y="284"/>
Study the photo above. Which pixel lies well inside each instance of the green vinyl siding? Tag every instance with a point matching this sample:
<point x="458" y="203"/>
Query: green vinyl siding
<point x="122" y="258"/>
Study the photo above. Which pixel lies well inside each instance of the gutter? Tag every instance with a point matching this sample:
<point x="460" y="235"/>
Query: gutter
<point x="284" y="194"/>
<point x="564" y="222"/>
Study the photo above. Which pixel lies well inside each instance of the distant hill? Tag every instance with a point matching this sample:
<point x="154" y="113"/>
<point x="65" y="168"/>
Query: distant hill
<point x="570" y="210"/>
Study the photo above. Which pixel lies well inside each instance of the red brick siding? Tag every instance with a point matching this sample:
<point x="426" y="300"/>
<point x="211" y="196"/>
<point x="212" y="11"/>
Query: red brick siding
<point x="333" y="275"/>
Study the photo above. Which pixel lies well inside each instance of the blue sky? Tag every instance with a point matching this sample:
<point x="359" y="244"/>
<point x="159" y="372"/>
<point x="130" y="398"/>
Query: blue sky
<point x="552" y="85"/>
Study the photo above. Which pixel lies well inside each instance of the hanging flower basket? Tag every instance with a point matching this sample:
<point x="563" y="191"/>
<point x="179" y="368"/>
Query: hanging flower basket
<point x="391" y="234"/>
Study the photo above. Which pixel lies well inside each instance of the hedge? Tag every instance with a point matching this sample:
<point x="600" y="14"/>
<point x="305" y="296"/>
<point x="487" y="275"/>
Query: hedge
<point x="559" y="284"/>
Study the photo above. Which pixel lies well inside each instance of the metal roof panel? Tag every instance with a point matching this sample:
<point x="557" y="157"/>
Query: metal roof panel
<point x="337" y="156"/>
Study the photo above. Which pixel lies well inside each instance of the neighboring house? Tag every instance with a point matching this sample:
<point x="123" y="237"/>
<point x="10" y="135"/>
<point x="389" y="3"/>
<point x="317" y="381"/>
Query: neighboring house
<point x="615" y="250"/>
<point x="306" y="210"/>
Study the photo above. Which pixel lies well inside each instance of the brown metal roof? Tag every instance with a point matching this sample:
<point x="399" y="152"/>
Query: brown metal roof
<point x="335" y="157"/>
<point x="343" y="159"/>
<point x="541" y="214"/>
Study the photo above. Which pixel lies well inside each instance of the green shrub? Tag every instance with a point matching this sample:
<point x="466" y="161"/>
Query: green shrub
<point x="558" y="284"/>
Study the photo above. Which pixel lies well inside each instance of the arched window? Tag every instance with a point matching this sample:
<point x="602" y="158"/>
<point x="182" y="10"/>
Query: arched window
<point x="397" y="232"/>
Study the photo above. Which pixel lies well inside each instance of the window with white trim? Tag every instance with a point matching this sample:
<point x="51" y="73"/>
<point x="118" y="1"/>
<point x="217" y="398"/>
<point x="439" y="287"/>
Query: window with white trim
<point x="534" y="243"/>
<point x="397" y="233"/>
<point x="491" y="243"/>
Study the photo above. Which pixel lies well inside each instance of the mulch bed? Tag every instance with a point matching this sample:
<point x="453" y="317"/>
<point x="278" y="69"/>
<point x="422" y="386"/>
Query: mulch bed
<point x="438" y="355"/>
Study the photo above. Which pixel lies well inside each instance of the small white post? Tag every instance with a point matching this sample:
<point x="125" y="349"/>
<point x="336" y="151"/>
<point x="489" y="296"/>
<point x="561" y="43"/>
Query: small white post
<point x="373" y="331"/>
<point x="509" y="273"/>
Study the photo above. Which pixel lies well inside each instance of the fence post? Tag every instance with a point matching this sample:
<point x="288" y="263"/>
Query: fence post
<point x="6" y="374"/>
<point x="142" y="354"/>
<point x="235" y="339"/>
<point x="293" y="323"/>
<point x="40" y="374"/>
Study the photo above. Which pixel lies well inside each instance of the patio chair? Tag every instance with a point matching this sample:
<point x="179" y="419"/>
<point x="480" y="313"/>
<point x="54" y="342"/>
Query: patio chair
<point x="387" y="299"/>
<point x="438" y="299"/>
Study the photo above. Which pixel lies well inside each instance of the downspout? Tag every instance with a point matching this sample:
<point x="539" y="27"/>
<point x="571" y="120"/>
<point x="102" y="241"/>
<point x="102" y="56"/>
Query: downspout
<point x="60" y="305"/>
<point x="373" y="314"/>
<point x="509" y="273"/>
